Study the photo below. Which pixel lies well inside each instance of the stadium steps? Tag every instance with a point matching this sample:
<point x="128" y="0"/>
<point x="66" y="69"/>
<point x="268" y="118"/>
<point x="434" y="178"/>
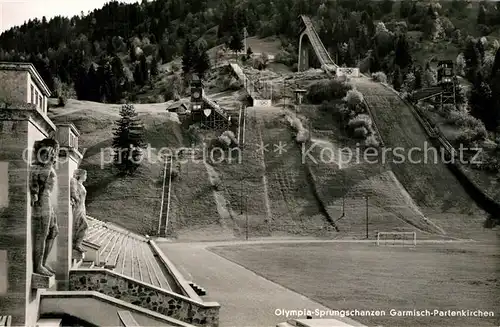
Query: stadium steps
<point x="199" y="290"/>
<point x="5" y="321"/>
<point x="125" y="253"/>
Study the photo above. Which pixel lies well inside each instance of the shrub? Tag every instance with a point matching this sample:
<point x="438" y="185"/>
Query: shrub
<point x="176" y="169"/>
<point x="286" y="58"/>
<point x="231" y="137"/>
<point x="295" y="123"/>
<point x="345" y="112"/>
<point x="194" y="134"/>
<point x="217" y="183"/>
<point x="175" y="67"/>
<point x="463" y="119"/>
<point x="325" y="106"/>
<point x="327" y="91"/>
<point x="371" y="141"/>
<point x="224" y="141"/>
<point x="233" y="84"/>
<point x="302" y="134"/>
<point x="259" y="63"/>
<point x="465" y="136"/>
<point x="471" y="135"/>
<point x="360" y="132"/>
<point x="380" y="77"/>
<point x="361" y="120"/>
<point x="354" y="98"/>
<point x="170" y="94"/>
<point x="480" y="132"/>
<point x="491" y="164"/>
<point x="62" y="101"/>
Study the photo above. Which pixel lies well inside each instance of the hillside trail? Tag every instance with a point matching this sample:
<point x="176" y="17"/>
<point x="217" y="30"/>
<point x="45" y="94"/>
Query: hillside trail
<point x="423" y="173"/>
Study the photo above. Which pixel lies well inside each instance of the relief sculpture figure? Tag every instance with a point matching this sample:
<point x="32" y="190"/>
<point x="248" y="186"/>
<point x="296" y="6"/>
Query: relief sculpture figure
<point x="43" y="179"/>
<point x="78" y="195"/>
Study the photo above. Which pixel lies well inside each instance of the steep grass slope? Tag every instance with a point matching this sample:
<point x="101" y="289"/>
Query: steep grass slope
<point x="345" y="181"/>
<point x="244" y="181"/>
<point x="293" y="206"/>
<point x="428" y="181"/>
<point x="132" y="202"/>
<point x="195" y="211"/>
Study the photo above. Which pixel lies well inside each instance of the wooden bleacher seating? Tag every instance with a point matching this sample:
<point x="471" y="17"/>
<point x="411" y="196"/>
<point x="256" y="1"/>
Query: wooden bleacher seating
<point x="125" y="253"/>
<point x="5" y="321"/>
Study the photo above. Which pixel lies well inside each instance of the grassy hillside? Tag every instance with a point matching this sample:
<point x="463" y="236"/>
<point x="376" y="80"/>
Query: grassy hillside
<point x="197" y="210"/>
<point x="431" y="184"/>
<point x="132" y="202"/>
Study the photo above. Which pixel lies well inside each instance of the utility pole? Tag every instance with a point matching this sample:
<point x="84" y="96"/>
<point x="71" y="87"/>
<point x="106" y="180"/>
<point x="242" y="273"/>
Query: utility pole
<point x="271" y="84"/>
<point x="246" y="214"/>
<point x="245" y="39"/>
<point x="284" y="94"/>
<point x="239" y="124"/>
<point x="241" y="194"/>
<point x="169" y="191"/>
<point x="162" y="196"/>
<point x="366" y="197"/>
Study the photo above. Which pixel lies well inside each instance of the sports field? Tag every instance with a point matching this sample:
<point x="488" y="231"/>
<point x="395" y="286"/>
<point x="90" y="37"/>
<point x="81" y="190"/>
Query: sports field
<point x="348" y="276"/>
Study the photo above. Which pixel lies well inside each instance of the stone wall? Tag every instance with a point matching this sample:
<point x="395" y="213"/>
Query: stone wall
<point x="13" y="221"/>
<point x="140" y="294"/>
<point x="19" y="129"/>
<point x="14" y="84"/>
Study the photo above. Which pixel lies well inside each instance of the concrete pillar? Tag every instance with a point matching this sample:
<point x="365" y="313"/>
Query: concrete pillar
<point x="303" y="63"/>
<point x="19" y="129"/>
<point x="69" y="159"/>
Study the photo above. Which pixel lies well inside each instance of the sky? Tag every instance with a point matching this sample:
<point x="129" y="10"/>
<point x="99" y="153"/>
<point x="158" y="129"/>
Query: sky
<point x="16" y="12"/>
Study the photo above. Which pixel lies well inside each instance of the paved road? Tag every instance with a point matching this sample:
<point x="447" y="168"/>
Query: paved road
<point x="246" y="299"/>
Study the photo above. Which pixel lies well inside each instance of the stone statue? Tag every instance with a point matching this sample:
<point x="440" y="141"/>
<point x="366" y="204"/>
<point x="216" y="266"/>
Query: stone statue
<point x="43" y="179"/>
<point x="78" y="195"/>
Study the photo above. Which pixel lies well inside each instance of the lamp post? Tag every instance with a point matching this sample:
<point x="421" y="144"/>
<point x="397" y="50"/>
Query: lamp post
<point x="366" y="197"/>
<point x="245" y="39"/>
<point x="246" y="214"/>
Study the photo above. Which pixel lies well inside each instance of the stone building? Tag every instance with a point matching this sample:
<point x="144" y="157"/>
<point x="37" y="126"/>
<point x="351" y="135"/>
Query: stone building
<point x="122" y="278"/>
<point x="22" y="83"/>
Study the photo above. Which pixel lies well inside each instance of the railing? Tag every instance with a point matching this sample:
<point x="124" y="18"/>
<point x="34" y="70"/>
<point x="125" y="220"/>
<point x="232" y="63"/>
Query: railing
<point x="126" y="319"/>
<point x="215" y="106"/>
<point x="248" y="84"/>
<point x="427" y="93"/>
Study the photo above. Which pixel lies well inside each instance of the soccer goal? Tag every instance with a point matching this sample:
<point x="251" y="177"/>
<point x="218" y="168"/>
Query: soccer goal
<point x="397" y="238"/>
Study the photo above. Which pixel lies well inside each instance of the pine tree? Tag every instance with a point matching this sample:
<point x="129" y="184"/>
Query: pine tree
<point x="496" y="64"/>
<point x="236" y="43"/>
<point x="405" y="8"/>
<point x="403" y="56"/>
<point x="202" y="63"/>
<point x="481" y="16"/>
<point x="144" y="69"/>
<point x="397" y="79"/>
<point x="418" y="78"/>
<point x="132" y="54"/>
<point x="188" y="56"/>
<point x="128" y="141"/>
<point x="138" y="75"/>
<point x="154" y="67"/>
